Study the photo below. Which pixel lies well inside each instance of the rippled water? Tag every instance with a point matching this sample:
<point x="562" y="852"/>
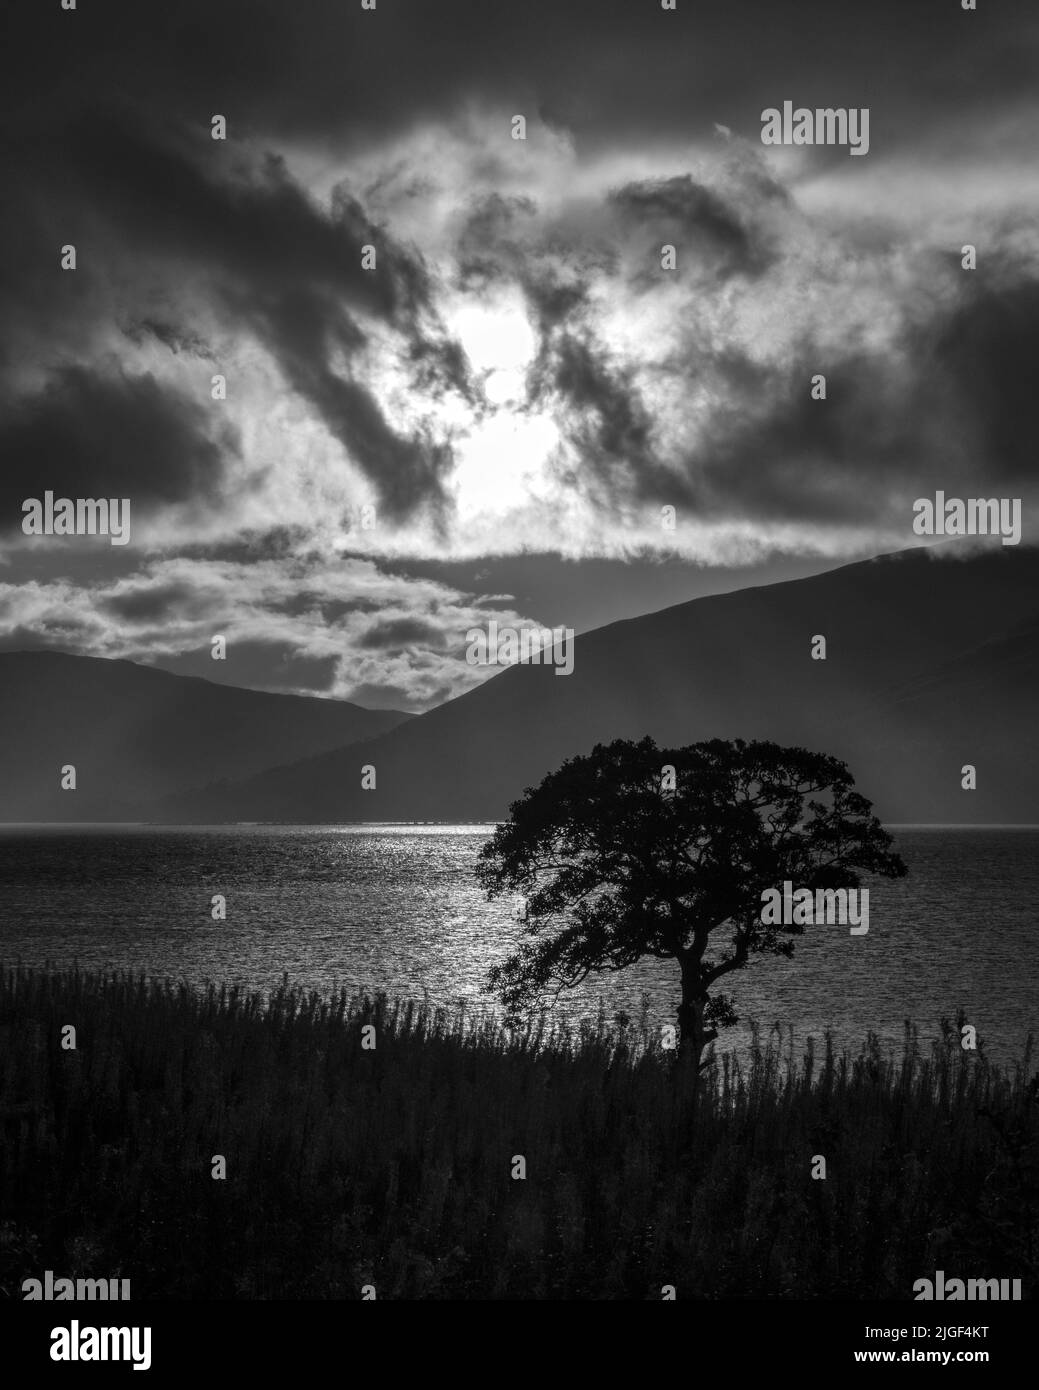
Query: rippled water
<point x="396" y="907"/>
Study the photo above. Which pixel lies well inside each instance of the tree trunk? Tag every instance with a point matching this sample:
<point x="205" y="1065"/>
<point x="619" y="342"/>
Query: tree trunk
<point x="693" y="1033"/>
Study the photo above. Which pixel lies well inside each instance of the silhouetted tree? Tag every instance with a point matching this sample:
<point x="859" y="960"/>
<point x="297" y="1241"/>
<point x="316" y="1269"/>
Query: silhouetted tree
<point x="619" y="860"/>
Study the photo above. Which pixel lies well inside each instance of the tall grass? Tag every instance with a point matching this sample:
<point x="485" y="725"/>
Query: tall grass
<point x="393" y="1167"/>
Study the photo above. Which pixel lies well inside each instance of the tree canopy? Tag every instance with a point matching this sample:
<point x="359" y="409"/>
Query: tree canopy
<point x="634" y="851"/>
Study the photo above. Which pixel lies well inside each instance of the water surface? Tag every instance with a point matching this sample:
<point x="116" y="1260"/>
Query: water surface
<point x="396" y="907"/>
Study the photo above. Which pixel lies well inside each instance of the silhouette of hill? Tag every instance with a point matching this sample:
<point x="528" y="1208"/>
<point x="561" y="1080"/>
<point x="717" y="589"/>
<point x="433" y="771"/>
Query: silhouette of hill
<point x="136" y="735"/>
<point x="932" y="662"/>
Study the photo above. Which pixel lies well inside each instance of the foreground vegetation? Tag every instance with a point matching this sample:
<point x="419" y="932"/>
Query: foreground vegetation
<point x="393" y="1167"/>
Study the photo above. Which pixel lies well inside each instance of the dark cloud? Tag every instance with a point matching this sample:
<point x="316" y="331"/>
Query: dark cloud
<point x="555" y="302"/>
<point x="608" y="69"/>
<point x="161" y="601"/>
<point x="175" y="193"/>
<point x="263" y="253"/>
<point x="275" y="543"/>
<point x="334" y="609"/>
<point x="401" y="632"/>
<point x="64" y="634"/>
<point x="87" y="435"/>
<point x="37" y="639"/>
<point x="685" y="214"/>
<point x="407" y="472"/>
<point x="170" y="335"/>
<point x="492" y="240"/>
<point x="950" y="407"/>
<point x="612" y="423"/>
<point x="776" y="453"/>
<point x="605" y="420"/>
<point x="440" y="366"/>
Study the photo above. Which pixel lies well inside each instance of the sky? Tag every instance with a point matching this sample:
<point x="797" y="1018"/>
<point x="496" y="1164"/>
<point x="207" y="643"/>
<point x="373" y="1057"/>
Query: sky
<point x="496" y="420"/>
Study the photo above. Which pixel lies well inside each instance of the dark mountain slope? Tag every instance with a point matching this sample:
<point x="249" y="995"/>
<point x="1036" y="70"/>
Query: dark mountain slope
<point x="136" y="735"/>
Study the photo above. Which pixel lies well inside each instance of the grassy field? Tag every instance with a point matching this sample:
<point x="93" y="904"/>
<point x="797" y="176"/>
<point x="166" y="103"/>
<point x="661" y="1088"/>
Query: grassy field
<point x="393" y="1167"/>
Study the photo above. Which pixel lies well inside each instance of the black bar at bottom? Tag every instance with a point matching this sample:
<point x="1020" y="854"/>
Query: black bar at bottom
<point x="210" y="1340"/>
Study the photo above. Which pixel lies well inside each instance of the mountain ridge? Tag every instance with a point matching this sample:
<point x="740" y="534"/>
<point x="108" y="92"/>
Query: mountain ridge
<point x="889" y="622"/>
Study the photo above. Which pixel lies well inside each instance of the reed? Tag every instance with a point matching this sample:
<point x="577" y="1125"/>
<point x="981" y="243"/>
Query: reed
<point x="392" y="1167"/>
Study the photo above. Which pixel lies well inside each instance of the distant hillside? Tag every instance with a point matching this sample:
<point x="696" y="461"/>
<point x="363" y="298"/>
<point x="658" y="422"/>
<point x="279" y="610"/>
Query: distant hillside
<point x="932" y="662"/>
<point x="135" y="735"/>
